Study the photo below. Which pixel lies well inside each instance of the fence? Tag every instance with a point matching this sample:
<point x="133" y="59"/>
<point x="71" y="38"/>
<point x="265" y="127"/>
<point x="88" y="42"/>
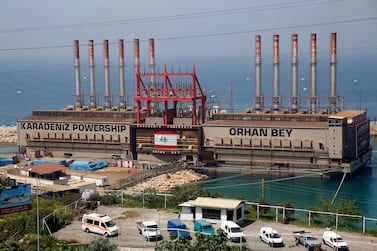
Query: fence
<point x="74" y="207"/>
<point x="279" y="213"/>
<point x="330" y="219"/>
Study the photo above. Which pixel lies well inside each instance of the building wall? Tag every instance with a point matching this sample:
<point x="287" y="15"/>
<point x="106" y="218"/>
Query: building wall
<point x="223" y="214"/>
<point x="84" y="139"/>
<point x="265" y="137"/>
<point x="186" y="213"/>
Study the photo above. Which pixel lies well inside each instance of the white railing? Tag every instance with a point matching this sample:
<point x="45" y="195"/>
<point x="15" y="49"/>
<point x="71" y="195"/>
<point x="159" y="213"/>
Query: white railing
<point x="280" y="213"/>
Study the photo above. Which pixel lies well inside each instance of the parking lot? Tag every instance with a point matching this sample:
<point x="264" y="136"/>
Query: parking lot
<point x="130" y="239"/>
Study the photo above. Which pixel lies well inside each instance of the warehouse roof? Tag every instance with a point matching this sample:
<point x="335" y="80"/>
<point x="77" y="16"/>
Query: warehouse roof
<point x="46" y="168"/>
<point x="213" y="203"/>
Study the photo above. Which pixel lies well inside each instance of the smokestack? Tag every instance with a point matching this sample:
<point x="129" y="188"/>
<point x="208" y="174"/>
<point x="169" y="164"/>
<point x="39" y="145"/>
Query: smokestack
<point x="137" y="71"/>
<point x="78" y="99"/>
<point x="258" y="75"/>
<point x="294" y="97"/>
<point x="107" y="74"/>
<point x="122" y="100"/>
<point x="276" y="97"/>
<point x="152" y="84"/>
<point x="332" y="98"/>
<point x="136" y="55"/>
<point x="313" y="75"/>
<point x="92" y="95"/>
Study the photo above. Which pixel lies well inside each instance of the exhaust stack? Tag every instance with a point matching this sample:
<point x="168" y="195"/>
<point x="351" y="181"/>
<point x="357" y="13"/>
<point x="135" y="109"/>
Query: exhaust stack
<point x="313" y="75"/>
<point x="276" y="97"/>
<point x="92" y="95"/>
<point x="294" y="97"/>
<point x="152" y="85"/>
<point x="136" y="55"/>
<point x="332" y="98"/>
<point x="137" y="72"/>
<point x="258" y="75"/>
<point x="122" y="100"/>
<point x="78" y="98"/>
<point x="107" y="100"/>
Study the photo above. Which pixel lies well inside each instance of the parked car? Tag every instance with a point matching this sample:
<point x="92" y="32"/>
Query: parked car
<point x="334" y="241"/>
<point x="233" y="231"/>
<point x="149" y="229"/>
<point x="178" y="229"/>
<point x="306" y="239"/>
<point x="203" y="227"/>
<point x="271" y="237"/>
<point x="99" y="223"/>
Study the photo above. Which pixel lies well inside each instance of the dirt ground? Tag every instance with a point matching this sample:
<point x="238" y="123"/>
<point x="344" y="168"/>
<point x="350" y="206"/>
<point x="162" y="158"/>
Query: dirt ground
<point x="130" y="239"/>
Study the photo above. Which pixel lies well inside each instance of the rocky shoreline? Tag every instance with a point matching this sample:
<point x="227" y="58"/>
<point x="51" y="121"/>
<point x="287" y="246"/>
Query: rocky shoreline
<point x="164" y="182"/>
<point x="8" y="134"/>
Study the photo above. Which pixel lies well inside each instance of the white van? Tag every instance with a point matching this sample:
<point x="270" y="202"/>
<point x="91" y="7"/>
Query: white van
<point x="233" y="231"/>
<point x="334" y="240"/>
<point x="271" y="237"/>
<point x="99" y="223"/>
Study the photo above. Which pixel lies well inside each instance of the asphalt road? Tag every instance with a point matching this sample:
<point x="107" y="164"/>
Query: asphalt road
<point x="130" y="239"/>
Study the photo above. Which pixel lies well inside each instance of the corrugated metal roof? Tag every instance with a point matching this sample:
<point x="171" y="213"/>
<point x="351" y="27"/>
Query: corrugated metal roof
<point x="266" y="123"/>
<point x="217" y="202"/>
<point x="189" y="203"/>
<point x="46" y="168"/>
<point x="348" y="113"/>
<point x="68" y="119"/>
<point x="56" y="188"/>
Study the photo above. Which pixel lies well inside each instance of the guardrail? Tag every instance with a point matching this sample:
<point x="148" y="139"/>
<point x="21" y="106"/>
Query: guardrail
<point x="314" y="216"/>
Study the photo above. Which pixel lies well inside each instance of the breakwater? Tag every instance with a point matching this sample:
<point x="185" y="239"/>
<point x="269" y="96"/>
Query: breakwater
<point x="8" y="134"/>
<point x="373" y="128"/>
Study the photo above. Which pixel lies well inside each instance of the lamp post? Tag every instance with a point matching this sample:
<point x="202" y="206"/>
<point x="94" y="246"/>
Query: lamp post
<point x="358" y="100"/>
<point x="304" y="95"/>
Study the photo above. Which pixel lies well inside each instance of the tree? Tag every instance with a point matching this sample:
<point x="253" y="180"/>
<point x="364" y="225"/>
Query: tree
<point x="216" y="195"/>
<point x="211" y="242"/>
<point x="179" y="244"/>
<point x="287" y="213"/>
<point x="185" y="193"/>
<point x="261" y="202"/>
<point x="341" y="206"/>
<point x="202" y="243"/>
<point x="101" y="244"/>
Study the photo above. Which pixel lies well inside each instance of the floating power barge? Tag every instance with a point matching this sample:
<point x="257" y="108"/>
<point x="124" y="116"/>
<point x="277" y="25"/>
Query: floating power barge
<point x="170" y="121"/>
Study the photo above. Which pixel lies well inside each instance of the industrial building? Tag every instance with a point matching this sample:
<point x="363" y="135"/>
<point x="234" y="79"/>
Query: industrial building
<point x="170" y="121"/>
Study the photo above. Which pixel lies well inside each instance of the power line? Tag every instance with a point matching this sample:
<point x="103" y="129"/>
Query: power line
<point x="192" y="15"/>
<point x="222" y="34"/>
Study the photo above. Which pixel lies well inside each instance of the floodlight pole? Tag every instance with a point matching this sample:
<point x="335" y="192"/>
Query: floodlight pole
<point x="37" y="216"/>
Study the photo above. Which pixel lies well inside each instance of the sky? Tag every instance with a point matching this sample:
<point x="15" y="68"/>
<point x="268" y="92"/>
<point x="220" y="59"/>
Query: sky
<point x="197" y="31"/>
<point x="36" y="37"/>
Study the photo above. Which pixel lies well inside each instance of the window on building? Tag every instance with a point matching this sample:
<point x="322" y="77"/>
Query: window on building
<point x="211" y="214"/>
<point x="239" y="213"/>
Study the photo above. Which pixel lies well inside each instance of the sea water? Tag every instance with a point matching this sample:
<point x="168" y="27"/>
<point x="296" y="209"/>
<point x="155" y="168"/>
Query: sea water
<point x="302" y="191"/>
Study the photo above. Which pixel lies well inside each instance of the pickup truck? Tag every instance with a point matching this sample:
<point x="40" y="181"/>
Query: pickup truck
<point x="149" y="230"/>
<point x="307" y="240"/>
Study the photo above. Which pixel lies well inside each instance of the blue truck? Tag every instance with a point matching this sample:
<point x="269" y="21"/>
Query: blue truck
<point x="203" y="227"/>
<point x="178" y="229"/>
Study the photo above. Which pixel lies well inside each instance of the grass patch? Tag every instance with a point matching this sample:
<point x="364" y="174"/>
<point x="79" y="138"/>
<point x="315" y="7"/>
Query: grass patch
<point x="129" y="215"/>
